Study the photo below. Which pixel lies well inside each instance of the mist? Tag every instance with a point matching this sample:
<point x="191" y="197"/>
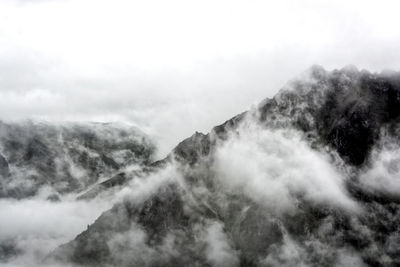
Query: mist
<point x="96" y="94"/>
<point x="35" y="227"/>
<point x="164" y="67"/>
<point x="276" y="167"/>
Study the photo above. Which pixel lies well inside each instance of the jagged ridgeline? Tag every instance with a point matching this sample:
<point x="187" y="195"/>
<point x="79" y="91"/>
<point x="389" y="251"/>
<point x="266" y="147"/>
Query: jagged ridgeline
<point x="67" y="157"/>
<point x="307" y="178"/>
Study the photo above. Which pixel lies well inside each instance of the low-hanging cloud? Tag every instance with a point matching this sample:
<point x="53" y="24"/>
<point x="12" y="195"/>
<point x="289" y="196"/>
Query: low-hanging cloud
<point x="219" y="250"/>
<point x="35" y="227"/>
<point x="382" y="173"/>
<point x="275" y="167"/>
<point x="164" y="68"/>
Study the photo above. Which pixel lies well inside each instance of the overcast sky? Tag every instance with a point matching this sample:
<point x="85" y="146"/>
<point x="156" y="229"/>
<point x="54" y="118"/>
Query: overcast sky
<point x="174" y="67"/>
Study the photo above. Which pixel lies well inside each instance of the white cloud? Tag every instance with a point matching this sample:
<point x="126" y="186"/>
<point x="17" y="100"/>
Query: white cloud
<point x="175" y="67"/>
<point x="39" y="226"/>
<point x="383" y="173"/>
<point x="219" y="251"/>
<point x="276" y="167"/>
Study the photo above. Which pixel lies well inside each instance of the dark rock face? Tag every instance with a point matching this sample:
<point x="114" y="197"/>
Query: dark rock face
<point x="355" y="110"/>
<point x="197" y="221"/>
<point x="4" y="168"/>
<point x="67" y="157"/>
<point x="346" y="108"/>
<point x="8" y="249"/>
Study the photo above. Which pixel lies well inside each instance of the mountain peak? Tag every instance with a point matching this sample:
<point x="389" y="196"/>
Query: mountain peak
<point x="301" y="172"/>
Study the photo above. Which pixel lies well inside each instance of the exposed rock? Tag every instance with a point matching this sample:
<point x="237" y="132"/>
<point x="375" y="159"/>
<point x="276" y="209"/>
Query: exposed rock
<point x="4" y="168"/>
<point x="68" y="157"/>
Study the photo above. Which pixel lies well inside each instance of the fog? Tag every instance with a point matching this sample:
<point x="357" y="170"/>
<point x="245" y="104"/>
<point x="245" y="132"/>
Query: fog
<point x="175" y="67"/>
<point x="276" y="167"/>
<point x="34" y="227"/>
<point x="171" y="68"/>
<point x="381" y="175"/>
<point x="37" y="226"/>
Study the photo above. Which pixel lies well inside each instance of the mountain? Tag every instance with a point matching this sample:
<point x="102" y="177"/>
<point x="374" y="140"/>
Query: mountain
<point x="67" y="157"/>
<point x="307" y="178"/>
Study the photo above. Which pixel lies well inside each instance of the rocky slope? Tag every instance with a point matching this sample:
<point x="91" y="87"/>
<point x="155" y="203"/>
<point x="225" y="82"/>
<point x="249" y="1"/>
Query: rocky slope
<point x="67" y="158"/>
<point x="307" y="178"/>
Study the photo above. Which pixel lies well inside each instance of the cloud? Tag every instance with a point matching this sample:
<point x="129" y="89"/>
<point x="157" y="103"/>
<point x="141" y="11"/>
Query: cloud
<point x="165" y="68"/>
<point x="141" y="188"/>
<point x="310" y="252"/>
<point x="276" y="168"/>
<point x="382" y="173"/>
<point x="37" y="226"/>
<point x="171" y="68"/>
<point x="219" y="251"/>
<point x="34" y="227"/>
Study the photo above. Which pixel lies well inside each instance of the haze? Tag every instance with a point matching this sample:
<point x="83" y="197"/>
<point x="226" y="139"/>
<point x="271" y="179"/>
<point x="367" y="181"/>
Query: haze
<point x="173" y="67"/>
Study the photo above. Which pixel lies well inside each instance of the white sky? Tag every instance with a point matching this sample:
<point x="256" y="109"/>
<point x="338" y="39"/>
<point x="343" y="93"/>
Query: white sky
<point x="174" y="67"/>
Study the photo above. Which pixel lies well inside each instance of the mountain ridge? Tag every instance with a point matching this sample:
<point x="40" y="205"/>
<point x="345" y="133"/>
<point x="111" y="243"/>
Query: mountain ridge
<point x="36" y="154"/>
<point x="291" y="182"/>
